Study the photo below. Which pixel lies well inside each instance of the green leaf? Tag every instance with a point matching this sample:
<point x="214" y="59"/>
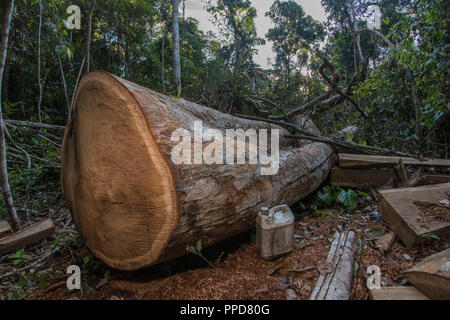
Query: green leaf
<point x="431" y="236"/>
<point x="326" y="196"/>
<point x="349" y="199"/>
<point x="17" y="261"/>
<point x="355" y="268"/>
<point x="86" y="259"/>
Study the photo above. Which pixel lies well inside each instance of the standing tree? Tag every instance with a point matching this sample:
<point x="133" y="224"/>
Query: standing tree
<point x="39" y="62"/>
<point x="7" y="15"/>
<point x="88" y="36"/>
<point x="292" y="32"/>
<point x="176" y="48"/>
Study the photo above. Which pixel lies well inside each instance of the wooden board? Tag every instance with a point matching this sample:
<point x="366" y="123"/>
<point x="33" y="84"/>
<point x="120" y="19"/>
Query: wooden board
<point x="5" y="229"/>
<point x="27" y="236"/>
<point x="360" y="179"/>
<point x="432" y="276"/>
<point x="366" y="179"/>
<point x="398" y="209"/>
<point x="337" y="283"/>
<point x="397" y="293"/>
<point x="365" y="161"/>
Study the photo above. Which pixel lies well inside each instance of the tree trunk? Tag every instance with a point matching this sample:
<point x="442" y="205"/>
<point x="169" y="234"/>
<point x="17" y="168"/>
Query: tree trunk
<point x="7" y="15"/>
<point x="416" y="101"/>
<point x="135" y="206"/>
<point x="176" y="48"/>
<point x="88" y="36"/>
<point x="163" y="48"/>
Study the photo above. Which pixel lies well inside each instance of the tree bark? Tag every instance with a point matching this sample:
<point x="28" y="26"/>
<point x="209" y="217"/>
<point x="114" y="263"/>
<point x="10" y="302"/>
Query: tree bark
<point x="7" y="15"/>
<point x="416" y="101"/>
<point x="88" y="36"/>
<point x="176" y="48"/>
<point x="134" y="206"/>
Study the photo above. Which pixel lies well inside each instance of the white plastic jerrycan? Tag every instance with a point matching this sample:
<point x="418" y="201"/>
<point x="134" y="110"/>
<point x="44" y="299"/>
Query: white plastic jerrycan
<point x="275" y="231"/>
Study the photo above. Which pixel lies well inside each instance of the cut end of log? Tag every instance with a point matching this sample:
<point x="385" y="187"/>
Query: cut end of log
<point x="115" y="177"/>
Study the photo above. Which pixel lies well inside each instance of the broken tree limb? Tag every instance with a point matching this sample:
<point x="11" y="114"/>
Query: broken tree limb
<point x="27" y="236"/>
<point x="346" y="144"/>
<point x="337" y="284"/>
<point x="325" y="99"/>
<point x="135" y="206"/>
<point x="432" y="276"/>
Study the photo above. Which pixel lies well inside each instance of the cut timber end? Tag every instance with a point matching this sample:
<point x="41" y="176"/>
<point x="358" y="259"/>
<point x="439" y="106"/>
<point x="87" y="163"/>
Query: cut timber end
<point x="399" y="210"/>
<point x="5" y="229"/>
<point x="115" y="178"/>
<point x="27" y="236"/>
<point x="397" y="293"/>
<point x="432" y="276"/>
<point x="365" y="161"/>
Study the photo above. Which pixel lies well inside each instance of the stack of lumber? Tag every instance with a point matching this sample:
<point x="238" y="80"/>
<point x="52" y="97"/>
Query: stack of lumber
<point x="414" y="213"/>
<point x="373" y="172"/>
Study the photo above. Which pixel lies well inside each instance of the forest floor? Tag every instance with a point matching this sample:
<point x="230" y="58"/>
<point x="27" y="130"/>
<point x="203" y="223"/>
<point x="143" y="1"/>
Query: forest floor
<point x="40" y="271"/>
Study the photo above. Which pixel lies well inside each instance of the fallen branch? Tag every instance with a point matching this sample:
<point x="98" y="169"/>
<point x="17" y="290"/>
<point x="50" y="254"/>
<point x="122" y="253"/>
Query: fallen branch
<point x="335" y="282"/>
<point x="305" y="135"/>
<point x="34" y="124"/>
<point x="13" y="153"/>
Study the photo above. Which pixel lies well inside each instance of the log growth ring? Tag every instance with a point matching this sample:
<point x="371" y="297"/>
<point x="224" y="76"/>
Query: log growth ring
<point x="115" y="178"/>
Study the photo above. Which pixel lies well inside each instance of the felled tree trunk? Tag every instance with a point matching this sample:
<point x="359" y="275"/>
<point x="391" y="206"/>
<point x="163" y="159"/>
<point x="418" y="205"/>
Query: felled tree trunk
<point x="134" y="206"/>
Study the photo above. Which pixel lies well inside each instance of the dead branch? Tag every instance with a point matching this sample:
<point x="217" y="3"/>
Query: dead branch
<point x="34" y="124"/>
<point x="348" y="144"/>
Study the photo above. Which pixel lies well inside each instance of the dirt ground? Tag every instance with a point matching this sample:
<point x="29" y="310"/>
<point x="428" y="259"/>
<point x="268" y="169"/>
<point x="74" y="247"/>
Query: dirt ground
<point x="240" y="273"/>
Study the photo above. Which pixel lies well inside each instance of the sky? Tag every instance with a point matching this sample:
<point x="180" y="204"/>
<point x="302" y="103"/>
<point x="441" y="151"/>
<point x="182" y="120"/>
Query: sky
<point x="195" y="9"/>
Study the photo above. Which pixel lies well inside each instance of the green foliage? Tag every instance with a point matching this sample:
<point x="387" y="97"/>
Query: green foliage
<point x="329" y="195"/>
<point x="349" y="199"/>
<point x="18" y="256"/>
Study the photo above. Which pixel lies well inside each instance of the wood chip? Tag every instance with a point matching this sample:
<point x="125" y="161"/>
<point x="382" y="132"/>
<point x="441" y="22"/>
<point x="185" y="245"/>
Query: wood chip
<point x="302" y="269"/>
